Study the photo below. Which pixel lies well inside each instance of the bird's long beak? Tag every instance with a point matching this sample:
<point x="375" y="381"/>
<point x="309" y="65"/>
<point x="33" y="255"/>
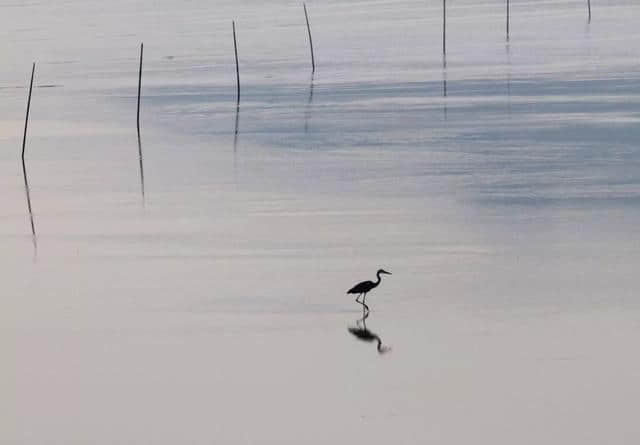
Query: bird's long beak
<point x="388" y="273"/>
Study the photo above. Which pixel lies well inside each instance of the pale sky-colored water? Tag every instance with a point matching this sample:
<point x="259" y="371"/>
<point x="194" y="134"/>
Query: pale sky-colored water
<point x="214" y="309"/>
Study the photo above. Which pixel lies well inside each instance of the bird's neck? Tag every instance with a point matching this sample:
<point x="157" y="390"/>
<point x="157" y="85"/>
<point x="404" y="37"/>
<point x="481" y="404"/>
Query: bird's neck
<point x="379" y="278"/>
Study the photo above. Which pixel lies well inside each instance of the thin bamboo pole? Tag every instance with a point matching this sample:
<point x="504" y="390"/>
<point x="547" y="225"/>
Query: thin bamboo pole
<point x="26" y="119"/>
<point x="235" y="49"/>
<point x="313" y="61"/>
<point x="139" y="87"/>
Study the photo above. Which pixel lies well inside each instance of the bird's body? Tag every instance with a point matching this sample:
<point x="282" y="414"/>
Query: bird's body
<point x="362" y="288"/>
<point x="365" y="287"/>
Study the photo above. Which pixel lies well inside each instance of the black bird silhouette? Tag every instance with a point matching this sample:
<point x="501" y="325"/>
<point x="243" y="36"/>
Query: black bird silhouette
<point x="361" y="332"/>
<point x="365" y="287"/>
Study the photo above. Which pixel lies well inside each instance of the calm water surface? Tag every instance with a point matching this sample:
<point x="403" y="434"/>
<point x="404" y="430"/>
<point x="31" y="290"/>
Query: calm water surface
<point x="503" y="192"/>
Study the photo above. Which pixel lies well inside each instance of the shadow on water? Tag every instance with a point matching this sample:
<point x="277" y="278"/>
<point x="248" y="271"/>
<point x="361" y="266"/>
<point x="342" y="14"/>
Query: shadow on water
<point x="141" y="168"/>
<point x="508" y="49"/>
<point x="307" y="112"/>
<point x="26" y="189"/>
<point x="235" y="132"/>
<point x="444" y="87"/>
<point x="361" y="332"/>
<point x="235" y="145"/>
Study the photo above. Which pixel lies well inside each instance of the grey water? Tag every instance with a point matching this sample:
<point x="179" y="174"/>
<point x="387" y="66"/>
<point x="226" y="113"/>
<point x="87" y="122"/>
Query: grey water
<point x="190" y="286"/>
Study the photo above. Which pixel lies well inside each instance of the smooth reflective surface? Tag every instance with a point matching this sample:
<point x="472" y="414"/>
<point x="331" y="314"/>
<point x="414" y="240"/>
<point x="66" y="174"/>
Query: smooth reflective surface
<point x="503" y="193"/>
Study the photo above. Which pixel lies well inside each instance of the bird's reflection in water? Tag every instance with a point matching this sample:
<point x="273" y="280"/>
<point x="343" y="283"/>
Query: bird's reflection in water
<point x="361" y="332"/>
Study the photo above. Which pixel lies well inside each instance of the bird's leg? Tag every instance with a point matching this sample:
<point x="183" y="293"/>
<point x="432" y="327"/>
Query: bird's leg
<point x="364" y="305"/>
<point x="357" y="298"/>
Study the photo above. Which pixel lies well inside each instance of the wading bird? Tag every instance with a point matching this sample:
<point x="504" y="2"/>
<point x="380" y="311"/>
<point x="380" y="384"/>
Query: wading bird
<point x="364" y="288"/>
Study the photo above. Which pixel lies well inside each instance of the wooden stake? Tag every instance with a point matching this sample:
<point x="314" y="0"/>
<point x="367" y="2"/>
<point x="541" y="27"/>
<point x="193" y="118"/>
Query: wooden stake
<point x="313" y="61"/>
<point x="507" y="20"/>
<point x="24" y="167"/>
<point x="139" y="87"/>
<point x="589" y="6"/>
<point x="235" y="49"/>
<point x="26" y="119"/>
<point x="444" y="27"/>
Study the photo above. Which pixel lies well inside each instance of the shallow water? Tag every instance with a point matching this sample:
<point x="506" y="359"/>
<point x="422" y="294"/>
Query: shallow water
<point x="503" y="192"/>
